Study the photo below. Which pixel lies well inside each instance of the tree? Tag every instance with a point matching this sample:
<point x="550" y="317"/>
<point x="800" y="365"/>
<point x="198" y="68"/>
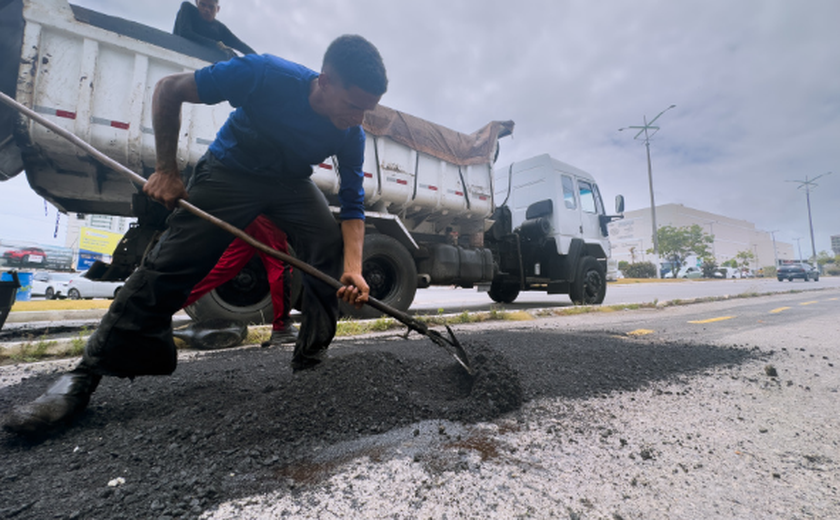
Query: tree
<point x="677" y="243"/>
<point x="709" y="267"/>
<point x="824" y="258"/>
<point x="744" y="259"/>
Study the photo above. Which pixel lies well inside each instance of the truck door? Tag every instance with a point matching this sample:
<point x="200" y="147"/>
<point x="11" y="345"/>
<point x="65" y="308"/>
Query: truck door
<point x="568" y="215"/>
<point x="591" y="207"/>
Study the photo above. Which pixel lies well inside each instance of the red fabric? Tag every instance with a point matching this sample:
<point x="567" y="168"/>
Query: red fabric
<point x="237" y="256"/>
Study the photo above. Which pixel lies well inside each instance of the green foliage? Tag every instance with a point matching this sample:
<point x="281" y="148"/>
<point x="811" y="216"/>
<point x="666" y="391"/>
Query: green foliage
<point x="29" y="352"/>
<point x="709" y="267"/>
<point x="640" y="270"/>
<point x="382" y="324"/>
<point x="823" y="258"/>
<point x="730" y="263"/>
<point x="677" y="243"/>
<point x="743" y="259"/>
<point x="622" y="266"/>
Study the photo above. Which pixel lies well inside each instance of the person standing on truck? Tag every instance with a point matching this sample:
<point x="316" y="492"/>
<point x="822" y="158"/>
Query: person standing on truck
<point x="237" y="255"/>
<point x="286" y="118"/>
<point x="198" y="23"/>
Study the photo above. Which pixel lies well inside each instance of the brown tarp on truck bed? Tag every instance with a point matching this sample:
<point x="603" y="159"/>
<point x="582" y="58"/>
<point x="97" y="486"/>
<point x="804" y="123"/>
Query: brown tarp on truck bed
<point x="435" y="140"/>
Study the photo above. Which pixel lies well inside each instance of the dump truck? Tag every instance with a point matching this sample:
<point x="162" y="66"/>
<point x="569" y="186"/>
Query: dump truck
<point x="438" y="210"/>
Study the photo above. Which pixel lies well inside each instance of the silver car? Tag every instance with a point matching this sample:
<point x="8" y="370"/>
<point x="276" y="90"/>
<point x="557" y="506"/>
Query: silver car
<point x="80" y="287"/>
<point x="50" y="285"/>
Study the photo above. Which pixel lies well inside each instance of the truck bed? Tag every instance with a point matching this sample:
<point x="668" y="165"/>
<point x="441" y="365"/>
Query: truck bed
<point x="94" y="75"/>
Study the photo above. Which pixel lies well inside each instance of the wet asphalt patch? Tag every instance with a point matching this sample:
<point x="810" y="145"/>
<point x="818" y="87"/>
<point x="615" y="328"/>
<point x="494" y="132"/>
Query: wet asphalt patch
<point x="234" y="423"/>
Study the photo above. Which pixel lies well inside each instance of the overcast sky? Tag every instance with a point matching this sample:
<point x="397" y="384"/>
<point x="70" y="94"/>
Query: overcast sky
<point x="756" y="86"/>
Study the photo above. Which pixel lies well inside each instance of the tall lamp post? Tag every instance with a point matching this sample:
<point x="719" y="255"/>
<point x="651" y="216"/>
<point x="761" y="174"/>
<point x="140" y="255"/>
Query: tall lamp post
<point x="799" y="247"/>
<point x="807" y="184"/>
<point x="644" y="129"/>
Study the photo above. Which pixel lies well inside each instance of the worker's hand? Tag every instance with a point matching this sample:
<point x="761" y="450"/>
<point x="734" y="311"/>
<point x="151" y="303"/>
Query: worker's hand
<point x="355" y="290"/>
<point x="166" y="188"/>
<point x="227" y="50"/>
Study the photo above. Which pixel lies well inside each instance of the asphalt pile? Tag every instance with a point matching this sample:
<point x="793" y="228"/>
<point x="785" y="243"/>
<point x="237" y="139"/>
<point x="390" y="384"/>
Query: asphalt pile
<point x="230" y="424"/>
<point x="226" y="425"/>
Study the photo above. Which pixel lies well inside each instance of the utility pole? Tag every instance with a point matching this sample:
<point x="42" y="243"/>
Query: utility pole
<point x="775" y="254"/>
<point x="711" y="224"/>
<point x="644" y="130"/>
<point x="807" y="184"/>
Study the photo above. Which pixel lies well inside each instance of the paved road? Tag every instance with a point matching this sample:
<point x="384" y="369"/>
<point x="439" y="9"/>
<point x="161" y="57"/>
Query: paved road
<point x="655" y="413"/>
<point x="457" y="300"/>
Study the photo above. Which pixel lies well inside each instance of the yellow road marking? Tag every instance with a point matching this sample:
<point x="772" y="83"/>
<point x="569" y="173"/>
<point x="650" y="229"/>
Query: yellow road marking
<point x="780" y="309"/>
<point x="833" y="299"/>
<point x="710" y="320"/>
<point x="640" y="332"/>
<point x="808" y="303"/>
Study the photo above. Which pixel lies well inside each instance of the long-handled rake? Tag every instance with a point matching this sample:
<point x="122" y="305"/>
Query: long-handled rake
<point x="450" y="344"/>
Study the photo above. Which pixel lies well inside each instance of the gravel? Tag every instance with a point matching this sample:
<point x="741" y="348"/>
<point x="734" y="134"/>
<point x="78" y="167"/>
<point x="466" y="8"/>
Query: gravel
<point x="556" y="424"/>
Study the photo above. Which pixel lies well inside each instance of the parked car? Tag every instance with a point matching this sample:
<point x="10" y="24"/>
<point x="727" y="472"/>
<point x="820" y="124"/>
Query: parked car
<point x="79" y="287"/>
<point x="50" y="285"/>
<point x="727" y="272"/>
<point x="797" y="270"/>
<point x="688" y="271"/>
<point x="25" y="257"/>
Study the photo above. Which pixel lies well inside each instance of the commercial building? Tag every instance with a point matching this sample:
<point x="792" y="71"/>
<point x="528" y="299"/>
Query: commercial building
<point x="632" y="236"/>
<point x="94" y="237"/>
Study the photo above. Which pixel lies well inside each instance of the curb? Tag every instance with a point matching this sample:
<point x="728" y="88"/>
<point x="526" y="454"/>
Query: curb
<point x="57" y="315"/>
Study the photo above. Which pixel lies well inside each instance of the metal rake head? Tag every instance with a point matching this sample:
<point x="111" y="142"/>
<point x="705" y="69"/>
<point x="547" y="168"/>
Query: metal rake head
<point x="452" y="345"/>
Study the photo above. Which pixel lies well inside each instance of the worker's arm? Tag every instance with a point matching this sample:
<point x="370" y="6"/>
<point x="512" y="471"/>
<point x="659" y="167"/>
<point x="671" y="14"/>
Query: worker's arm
<point x="230" y="39"/>
<point x="165" y="184"/>
<point x="355" y="290"/>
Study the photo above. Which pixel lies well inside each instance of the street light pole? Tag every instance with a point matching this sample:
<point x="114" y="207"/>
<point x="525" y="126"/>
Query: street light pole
<point x="799" y="247"/>
<point x="645" y="130"/>
<point x="808" y="184"/>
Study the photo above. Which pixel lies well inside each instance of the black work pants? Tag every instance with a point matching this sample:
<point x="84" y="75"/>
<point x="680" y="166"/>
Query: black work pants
<point x="135" y="335"/>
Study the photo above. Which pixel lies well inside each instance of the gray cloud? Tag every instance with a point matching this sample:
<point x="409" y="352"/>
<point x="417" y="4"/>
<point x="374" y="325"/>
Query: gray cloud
<point x="756" y="84"/>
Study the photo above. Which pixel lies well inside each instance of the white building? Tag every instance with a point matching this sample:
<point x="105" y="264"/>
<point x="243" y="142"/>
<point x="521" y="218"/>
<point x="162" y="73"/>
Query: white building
<point x="631" y="237"/>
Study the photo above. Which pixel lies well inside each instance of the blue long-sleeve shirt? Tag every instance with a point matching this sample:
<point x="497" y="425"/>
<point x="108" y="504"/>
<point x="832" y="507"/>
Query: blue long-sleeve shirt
<point x="274" y="130"/>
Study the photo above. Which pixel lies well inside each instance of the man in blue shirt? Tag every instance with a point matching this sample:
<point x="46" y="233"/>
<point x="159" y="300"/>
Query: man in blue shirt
<point x="287" y="118"/>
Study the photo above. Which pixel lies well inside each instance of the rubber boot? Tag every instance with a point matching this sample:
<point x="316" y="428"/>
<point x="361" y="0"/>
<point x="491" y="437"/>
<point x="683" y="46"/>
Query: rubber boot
<point x="62" y="402"/>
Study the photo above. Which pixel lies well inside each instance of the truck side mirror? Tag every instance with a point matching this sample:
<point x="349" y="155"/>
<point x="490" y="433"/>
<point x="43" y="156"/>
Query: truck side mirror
<point x="619" y="204"/>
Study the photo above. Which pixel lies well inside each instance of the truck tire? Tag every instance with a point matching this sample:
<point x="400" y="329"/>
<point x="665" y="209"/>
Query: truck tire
<point x="502" y="291"/>
<point x="590" y="285"/>
<point x="246" y="298"/>
<point x="390" y="272"/>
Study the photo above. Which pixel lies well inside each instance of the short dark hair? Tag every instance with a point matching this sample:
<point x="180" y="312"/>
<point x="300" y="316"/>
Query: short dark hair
<point x="357" y="63"/>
